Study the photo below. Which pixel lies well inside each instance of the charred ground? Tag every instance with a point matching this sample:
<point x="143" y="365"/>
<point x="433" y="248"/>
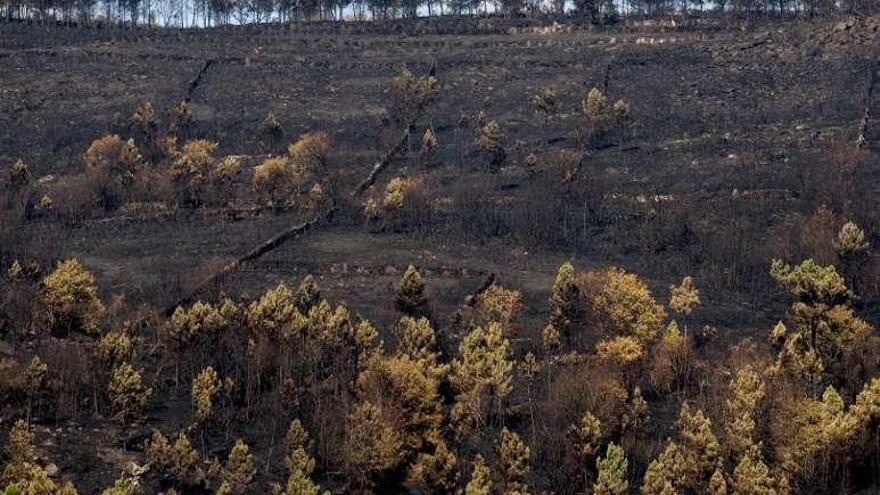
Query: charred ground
<point x="741" y="151"/>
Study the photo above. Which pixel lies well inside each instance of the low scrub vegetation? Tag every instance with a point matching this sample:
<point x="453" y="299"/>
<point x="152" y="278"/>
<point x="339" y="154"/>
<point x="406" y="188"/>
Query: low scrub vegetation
<point x="527" y="262"/>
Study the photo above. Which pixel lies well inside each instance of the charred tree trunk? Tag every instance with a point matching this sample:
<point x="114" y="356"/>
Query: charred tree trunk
<point x="253" y="254"/>
<point x="862" y="139"/>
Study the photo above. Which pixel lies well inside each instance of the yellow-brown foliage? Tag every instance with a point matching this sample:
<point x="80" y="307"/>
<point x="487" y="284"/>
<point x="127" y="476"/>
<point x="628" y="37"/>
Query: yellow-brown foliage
<point x="490" y="141"/>
<point x="70" y="296"/>
<point x="309" y="153"/>
<point x="601" y="120"/>
<point x="113" y="157"/>
<point x="195" y="161"/>
<point x="501" y="304"/>
<point x="627" y="306"/>
<point x="410" y="398"/>
<point x="112" y="166"/>
<point x="410" y="97"/>
<point x="19" y="174"/>
<point x="274" y="179"/>
<point x="671" y="359"/>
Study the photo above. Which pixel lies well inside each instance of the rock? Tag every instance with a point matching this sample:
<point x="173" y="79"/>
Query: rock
<point x="134" y="469"/>
<point x="52" y="470"/>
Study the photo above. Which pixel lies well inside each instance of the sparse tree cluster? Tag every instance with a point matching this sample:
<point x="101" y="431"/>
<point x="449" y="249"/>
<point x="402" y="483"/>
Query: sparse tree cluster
<point x="483" y="416"/>
<point x="605" y="386"/>
<point x="280" y="180"/>
<point x="219" y="12"/>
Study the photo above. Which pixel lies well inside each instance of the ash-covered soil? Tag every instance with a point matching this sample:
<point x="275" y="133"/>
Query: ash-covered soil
<point x="731" y="123"/>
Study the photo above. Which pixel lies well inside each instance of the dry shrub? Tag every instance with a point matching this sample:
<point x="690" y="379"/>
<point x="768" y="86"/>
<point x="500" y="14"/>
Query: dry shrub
<point x="833" y="180"/>
<point x="223" y="177"/>
<point x="545" y="102"/>
<point x="144" y="125"/>
<point x="74" y="198"/>
<point x="318" y="200"/>
<point x="671" y="360"/>
<point x="69" y="298"/>
<point x="72" y="376"/>
<point x="601" y="121"/>
<point x="18" y="301"/>
<point x="567" y="163"/>
<point x="19" y="174"/>
<point x="817" y="236"/>
<point x="279" y="179"/>
<point x="575" y="390"/>
<point x="180" y="119"/>
<point x="200" y="176"/>
<point x="12" y="389"/>
<point x="227" y="169"/>
<point x="155" y="139"/>
<point x="402" y="202"/>
<point x="490" y="141"/>
<point x="532" y="161"/>
<point x="308" y="155"/>
<point x="193" y="163"/>
<point x="500" y="304"/>
<point x="274" y="180"/>
<point x="748" y="352"/>
<point x="621" y="304"/>
<point x="398" y="191"/>
<point x="429" y="142"/>
<point x="271" y="133"/>
<point x="112" y="165"/>
<point x="624" y="353"/>
<point x="410" y="96"/>
<point x="17" y="194"/>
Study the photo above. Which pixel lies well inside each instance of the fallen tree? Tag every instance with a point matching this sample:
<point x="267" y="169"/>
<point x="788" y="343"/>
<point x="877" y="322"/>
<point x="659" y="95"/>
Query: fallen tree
<point x="422" y="91"/>
<point x="382" y="164"/>
<point x="198" y="79"/>
<point x="258" y="251"/>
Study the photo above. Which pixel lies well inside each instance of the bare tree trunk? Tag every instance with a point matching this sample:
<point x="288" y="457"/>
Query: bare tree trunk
<point x="862" y="139"/>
